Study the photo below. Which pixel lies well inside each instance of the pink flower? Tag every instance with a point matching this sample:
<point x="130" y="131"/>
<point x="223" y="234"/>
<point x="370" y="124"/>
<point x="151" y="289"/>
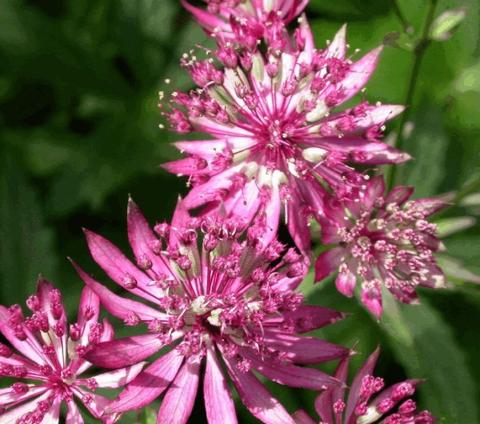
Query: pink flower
<point x="368" y="400"/>
<point x="279" y="138"/>
<point x="48" y="368"/>
<point x="246" y="21"/>
<point x="384" y="240"/>
<point x="214" y="296"/>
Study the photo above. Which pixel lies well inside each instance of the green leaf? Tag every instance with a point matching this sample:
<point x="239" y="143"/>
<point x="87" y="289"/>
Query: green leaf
<point x="152" y="17"/>
<point x="455" y="269"/>
<point x="356" y="331"/>
<point x="27" y="247"/>
<point x="427" y="144"/>
<point x="444" y="24"/>
<point x="471" y="200"/>
<point x="469" y="79"/>
<point x="148" y="416"/>
<point x="467" y="194"/>
<point x="426" y="347"/>
<point x="448" y="226"/>
<point x="349" y="9"/>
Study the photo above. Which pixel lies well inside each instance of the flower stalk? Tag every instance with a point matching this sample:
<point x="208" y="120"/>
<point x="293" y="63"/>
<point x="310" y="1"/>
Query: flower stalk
<point x="418" y="55"/>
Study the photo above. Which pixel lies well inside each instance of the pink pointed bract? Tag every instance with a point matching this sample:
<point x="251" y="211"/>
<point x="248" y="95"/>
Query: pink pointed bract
<point x="45" y="360"/>
<point x="217" y="298"/>
<point x="384" y="240"/>
<point x="279" y="137"/>
<point x="246" y="20"/>
<point x="368" y="400"/>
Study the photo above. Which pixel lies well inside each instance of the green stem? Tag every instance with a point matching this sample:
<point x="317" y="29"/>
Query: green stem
<point x="419" y="54"/>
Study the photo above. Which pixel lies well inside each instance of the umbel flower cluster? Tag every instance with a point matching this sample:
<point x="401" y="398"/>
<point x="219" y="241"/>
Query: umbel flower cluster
<point x="213" y="297"/>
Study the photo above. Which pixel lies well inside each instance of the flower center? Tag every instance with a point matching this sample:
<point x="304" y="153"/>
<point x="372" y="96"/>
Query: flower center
<point x="274" y="144"/>
<point x="61" y="381"/>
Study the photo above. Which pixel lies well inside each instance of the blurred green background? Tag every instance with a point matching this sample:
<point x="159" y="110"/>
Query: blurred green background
<point x="79" y="132"/>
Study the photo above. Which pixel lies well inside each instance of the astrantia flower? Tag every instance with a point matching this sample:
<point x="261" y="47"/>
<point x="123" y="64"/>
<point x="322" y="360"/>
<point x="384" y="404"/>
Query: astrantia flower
<point x="247" y="21"/>
<point x="279" y="138"/>
<point x="383" y="240"/>
<point x="46" y="363"/>
<point x="215" y="295"/>
<point x="368" y="400"/>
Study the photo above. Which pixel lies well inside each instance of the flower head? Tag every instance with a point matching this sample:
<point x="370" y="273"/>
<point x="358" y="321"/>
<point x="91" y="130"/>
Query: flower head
<point x="247" y="21"/>
<point x="384" y="240"/>
<point x="45" y="360"/>
<point x="213" y="293"/>
<point x="368" y="400"/>
<point x="279" y="138"/>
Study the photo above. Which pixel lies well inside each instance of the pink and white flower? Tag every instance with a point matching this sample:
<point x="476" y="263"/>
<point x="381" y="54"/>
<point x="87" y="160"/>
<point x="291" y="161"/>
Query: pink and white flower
<point x="279" y="137"/>
<point x="213" y="295"/>
<point x="383" y="240"/>
<point x="246" y="21"/>
<point x="46" y="362"/>
<point x="368" y="400"/>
